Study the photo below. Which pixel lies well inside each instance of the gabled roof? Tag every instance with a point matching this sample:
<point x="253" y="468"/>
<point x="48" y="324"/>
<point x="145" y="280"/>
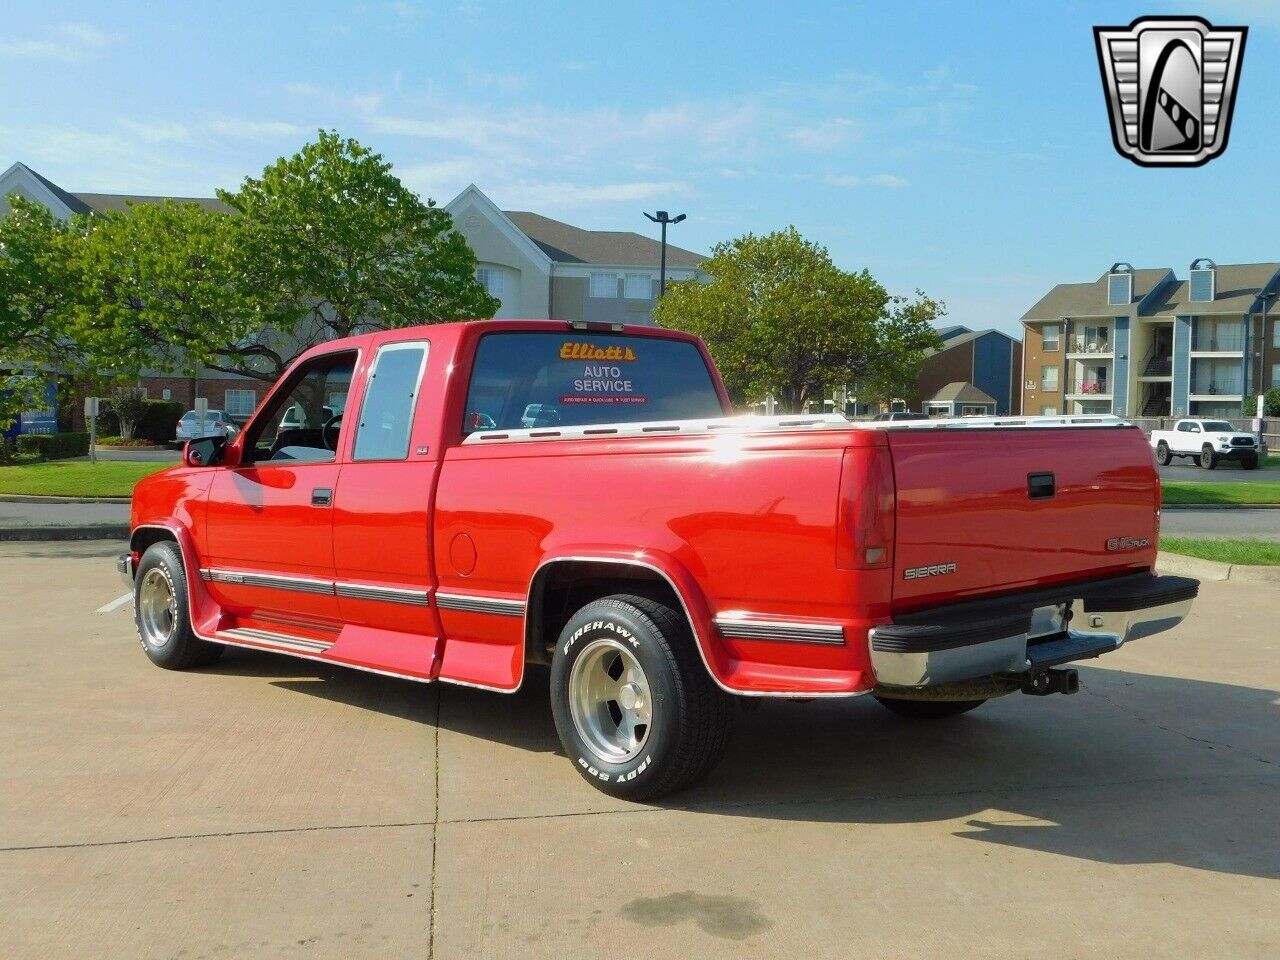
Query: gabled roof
<point x="968" y="336"/>
<point x="961" y="392"/>
<point x="1090" y="299"/>
<point x="118" y="202"/>
<point x="566" y="243"/>
<point x="74" y="204"/>
<point x="946" y="333"/>
<point x="1236" y="290"/>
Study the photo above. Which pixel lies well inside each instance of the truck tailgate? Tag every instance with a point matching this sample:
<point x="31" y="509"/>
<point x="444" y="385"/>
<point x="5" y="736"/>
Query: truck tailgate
<point x="982" y="511"/>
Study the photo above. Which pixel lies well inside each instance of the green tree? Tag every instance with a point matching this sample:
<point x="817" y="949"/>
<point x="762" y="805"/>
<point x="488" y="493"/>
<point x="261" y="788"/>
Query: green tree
<point x="333" y="244"/>
<point x="163" y="285"/>
<point x="778" y="315"/>
<point x="38" y="291"/>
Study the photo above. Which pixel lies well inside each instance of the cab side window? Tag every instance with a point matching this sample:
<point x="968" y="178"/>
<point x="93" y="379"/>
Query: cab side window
<point x="386" y="414"/>
<point x="304" y="421"/>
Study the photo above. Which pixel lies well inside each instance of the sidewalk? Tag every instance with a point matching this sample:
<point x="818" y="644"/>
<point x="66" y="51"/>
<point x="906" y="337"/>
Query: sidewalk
<point x="55" y="519"/>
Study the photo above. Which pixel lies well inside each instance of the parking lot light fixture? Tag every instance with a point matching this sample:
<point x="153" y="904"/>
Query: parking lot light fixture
<point x="663" y="218"/>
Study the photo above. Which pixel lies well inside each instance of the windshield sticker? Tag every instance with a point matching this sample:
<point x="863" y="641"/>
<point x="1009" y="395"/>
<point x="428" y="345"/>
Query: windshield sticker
<point x="572" y="350"/>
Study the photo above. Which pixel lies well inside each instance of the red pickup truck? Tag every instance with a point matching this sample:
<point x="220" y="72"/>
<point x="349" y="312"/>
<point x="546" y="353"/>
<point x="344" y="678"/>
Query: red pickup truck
<point x="580" y="495"/>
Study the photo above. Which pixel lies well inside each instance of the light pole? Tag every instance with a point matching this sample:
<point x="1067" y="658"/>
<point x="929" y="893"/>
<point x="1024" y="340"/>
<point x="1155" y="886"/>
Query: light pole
<point x="663" y="218"/>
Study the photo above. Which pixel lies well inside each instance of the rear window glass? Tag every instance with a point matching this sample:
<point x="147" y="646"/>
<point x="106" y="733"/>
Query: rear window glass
<point x="530" y="380"/>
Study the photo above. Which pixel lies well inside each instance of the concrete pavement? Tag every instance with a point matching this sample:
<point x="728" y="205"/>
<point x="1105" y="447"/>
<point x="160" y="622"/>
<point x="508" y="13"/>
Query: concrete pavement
<point x="269" y="807"/>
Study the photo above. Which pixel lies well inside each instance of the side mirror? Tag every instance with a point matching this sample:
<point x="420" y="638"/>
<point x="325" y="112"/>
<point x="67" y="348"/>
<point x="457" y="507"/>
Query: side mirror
<point x="204" y="452"/>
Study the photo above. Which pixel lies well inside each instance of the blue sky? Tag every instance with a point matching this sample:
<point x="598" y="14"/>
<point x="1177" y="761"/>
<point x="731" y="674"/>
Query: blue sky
<point x="961" y="152"/>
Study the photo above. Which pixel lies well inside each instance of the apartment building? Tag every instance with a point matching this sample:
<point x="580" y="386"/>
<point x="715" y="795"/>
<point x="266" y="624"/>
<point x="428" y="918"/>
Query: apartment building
<point x="1144" y="342"/>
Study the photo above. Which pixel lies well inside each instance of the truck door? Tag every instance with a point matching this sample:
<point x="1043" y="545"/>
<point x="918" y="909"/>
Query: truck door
<point x="382" y="544"/>
<point x="269" y="522"/>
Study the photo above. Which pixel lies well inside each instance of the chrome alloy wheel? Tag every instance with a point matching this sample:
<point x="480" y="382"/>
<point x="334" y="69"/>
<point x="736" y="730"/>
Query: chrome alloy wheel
<point x="157" y="608"/>
<point x="610" y="701"/>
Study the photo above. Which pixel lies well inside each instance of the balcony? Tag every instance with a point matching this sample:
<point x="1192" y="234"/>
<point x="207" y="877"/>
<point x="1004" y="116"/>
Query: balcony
<point x="1218" y="340"/>
<point x="1226" y="388"/>
<point x="1090" y="387"/>
<point x="1090" y="344"/>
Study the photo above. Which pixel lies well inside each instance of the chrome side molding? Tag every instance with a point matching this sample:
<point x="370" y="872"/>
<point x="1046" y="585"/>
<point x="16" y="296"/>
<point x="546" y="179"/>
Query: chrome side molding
<point x="739" y="628"/>
<point x="470" y="603"/>
<point x="340" y="588"/>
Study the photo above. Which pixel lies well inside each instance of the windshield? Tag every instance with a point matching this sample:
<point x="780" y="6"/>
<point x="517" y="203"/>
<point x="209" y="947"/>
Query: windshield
<point x="529" y="380"/>
<point x="1218" y="426"/>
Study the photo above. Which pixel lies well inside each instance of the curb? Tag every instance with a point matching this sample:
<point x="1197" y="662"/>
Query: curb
<point x="98" y="532"/>
<point x="29" y="498"/>
<point x="1213" y="570"/>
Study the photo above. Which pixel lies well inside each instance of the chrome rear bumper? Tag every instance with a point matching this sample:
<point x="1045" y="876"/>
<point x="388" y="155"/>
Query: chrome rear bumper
<point x="1027" y="633"/>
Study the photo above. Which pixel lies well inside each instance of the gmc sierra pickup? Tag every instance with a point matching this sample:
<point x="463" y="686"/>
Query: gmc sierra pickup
<point x="580" y="495"/>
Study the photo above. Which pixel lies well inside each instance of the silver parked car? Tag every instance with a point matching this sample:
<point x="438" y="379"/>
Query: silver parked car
<point x="217" y="423"/>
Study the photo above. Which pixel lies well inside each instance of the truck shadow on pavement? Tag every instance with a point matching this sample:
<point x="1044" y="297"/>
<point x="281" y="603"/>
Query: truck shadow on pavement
<point x="1136" y="769"/>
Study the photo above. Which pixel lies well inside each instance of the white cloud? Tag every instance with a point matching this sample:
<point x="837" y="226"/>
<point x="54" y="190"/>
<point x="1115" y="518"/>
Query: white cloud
<point x="254" y="129"/>
<point x="564" y="194"/>
<point x="875" y="180"/>
<point x="158" y="132"/>
<point x="66" y="43"/>
<point x="824" y="136"/>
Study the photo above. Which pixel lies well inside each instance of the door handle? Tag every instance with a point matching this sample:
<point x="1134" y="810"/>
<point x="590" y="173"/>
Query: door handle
<point x="321" y="496"/>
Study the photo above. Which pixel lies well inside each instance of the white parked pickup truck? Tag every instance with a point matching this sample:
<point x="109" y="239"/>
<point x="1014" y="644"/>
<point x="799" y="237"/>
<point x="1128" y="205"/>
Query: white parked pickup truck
<point x="1208" y="441"/>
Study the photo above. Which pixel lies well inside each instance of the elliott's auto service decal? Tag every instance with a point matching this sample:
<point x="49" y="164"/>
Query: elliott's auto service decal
<point x="602" y="380"/>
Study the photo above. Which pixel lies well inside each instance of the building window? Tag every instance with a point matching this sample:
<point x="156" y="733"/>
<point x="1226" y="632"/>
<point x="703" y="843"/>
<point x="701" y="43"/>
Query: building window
<point x="638" y="286"/>
<point x="1051" y="336"/>
<point x="491" y="280"/>
<point x="239" y="403"/>
<point x="166" y="394"/>
<point x="604" y="285"/>
<point x="1048" y="411"/>
<point x="1049" y="379"/>
<point x="1275" y="334"/>
<point x="1275" y="375"/>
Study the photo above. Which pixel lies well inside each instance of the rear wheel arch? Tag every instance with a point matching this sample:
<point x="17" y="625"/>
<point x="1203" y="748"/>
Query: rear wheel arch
<point x="561" y="587"/>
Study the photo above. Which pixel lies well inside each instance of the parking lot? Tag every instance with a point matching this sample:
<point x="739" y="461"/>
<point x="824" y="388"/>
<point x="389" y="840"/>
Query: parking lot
<point x="270" y="807"/>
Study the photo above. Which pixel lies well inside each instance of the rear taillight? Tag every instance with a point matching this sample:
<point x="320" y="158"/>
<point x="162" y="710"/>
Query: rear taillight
<point x="864" y="536"/>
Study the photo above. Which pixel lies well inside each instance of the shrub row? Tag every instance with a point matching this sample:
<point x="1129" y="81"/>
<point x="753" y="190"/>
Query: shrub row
<point x="54" y="446"/>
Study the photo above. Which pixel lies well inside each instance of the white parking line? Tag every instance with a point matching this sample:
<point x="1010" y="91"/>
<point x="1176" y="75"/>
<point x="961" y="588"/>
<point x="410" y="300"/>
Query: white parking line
<point x="115" y="604"/>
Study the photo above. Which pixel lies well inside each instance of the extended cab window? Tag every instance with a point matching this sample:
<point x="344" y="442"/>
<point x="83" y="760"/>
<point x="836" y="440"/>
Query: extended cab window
<point x="386" y="415"/>
<point x="304" y="421"/>
<point x="529" y="380"/>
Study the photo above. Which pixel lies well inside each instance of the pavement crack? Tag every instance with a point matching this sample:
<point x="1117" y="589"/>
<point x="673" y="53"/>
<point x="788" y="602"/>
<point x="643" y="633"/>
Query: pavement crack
<point x="1191" y="738"/>
<point x="268" y="831"/>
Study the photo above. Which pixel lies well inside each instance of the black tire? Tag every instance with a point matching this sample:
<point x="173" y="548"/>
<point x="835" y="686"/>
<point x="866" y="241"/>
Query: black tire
<point x="1249" y="463"/>
<point x="1162" y="454"/>
<point x="929" y="709"/>
<point x="690" y="717"/>
<point x="178" y="648"/>
<point x="1208" y="459"/>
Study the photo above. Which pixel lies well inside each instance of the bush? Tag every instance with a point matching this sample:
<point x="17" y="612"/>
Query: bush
<point x="1271" y="402"/>
<point x="159" y="420"/>
<point x="6" y="451"/>
<point x="54" y="446"/>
